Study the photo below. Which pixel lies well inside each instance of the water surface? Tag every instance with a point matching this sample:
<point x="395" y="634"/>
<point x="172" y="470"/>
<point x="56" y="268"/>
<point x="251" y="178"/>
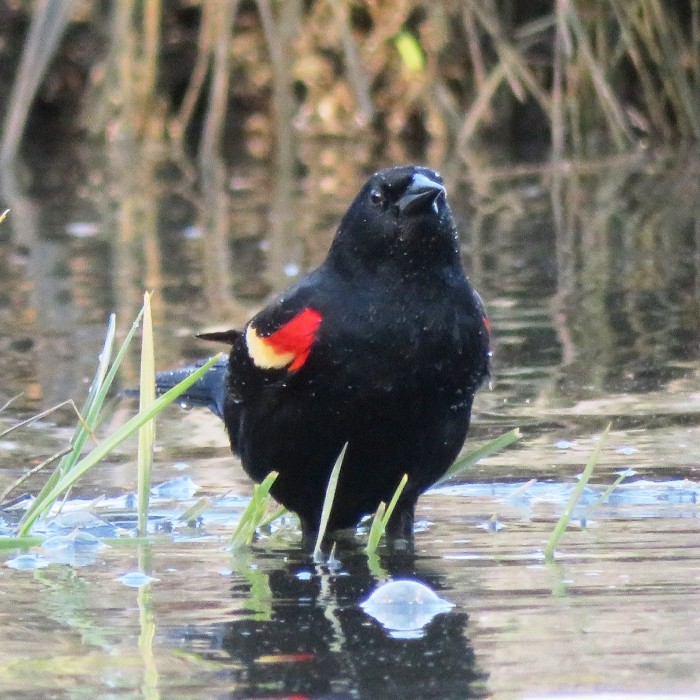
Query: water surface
<point x="591" y="276"/>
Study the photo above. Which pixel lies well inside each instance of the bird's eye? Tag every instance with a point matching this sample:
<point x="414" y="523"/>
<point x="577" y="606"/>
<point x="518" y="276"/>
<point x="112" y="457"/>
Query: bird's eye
<point x="376" y="197"/>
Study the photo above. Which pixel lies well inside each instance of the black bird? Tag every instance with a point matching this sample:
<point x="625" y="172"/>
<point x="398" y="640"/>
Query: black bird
<point x="382" y="347"/>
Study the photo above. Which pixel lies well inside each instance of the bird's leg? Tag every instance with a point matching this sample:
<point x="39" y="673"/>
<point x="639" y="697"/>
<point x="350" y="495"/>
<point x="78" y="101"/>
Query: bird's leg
<point x="309" y="532"/>
<point x="399" y="529"/>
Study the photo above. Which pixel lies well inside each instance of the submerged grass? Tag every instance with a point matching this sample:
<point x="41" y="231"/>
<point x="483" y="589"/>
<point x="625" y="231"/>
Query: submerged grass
<point x="565" y="518"/>
<point x="73" y="465"/>
<point x="195" y="511"/>
<point x="381" y="518"/>
<point x="606" y="494"/>
<point x="254" y="513"/>
<point x="328" y="504"/>
<point x="85" y="428"/>
<point x="383" y="513"/>
<point x="471" y="458"/>
<point x="65" y="481"/>
<point x="256" y="516"/>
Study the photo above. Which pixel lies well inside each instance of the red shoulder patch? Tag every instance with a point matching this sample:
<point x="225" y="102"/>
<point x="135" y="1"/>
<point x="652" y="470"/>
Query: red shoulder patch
<point x="288" y="346"/>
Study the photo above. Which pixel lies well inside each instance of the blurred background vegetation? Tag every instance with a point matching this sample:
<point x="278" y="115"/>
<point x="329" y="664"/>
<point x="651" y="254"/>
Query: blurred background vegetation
<point x="205" y="149"/>
<point x="415" y="80"/>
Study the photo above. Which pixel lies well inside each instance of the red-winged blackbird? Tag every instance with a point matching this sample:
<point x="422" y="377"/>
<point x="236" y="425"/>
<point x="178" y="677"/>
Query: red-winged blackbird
<point x="381" y="347"/>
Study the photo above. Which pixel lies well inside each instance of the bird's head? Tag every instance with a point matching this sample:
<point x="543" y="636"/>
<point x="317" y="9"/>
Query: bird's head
<point x="400" y="219"/>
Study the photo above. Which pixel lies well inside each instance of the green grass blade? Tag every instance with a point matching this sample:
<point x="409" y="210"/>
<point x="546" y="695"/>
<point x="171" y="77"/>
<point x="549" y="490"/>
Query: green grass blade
<point x="93" y="405"/>
<point x="116" y="438"/>
<point x="118" y="358"/>
<point x="482" y="452"/>
<point x="606" y="494"/>
<point x="563" y="521"/>
<point x="328" y="504"/>
<point x="194" y="512"/>
<point x="254" y="513"/>
<point x="92" y="411"/>
<point x="147" y="397"/>
<point x="96" y="398"/>
<point x="82" y="430"/>
<point x="273" y="516"/>
<point x="375" y="530"/>
<point x="19" y="542"/>
<point x="379" y="524"/>
<point x="102" y="365"/>
<point x="395" y="499"/>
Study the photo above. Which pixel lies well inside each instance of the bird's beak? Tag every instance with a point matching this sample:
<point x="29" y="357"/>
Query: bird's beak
<point x="421" y="194"/>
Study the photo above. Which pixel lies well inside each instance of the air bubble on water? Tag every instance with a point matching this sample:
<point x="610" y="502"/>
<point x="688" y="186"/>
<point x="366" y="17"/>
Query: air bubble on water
<point x="136" y="579"/>
<point x="76" y="549"/>
<point x="79" y="519"/>
<point x="180" y="488"/>
<point x="404" y="607"/>
<point x="75" y="540"/>
<point x="28" y="562"/>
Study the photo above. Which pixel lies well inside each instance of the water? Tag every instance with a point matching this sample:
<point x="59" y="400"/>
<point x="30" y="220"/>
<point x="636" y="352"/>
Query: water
<point x="591" y="276"/>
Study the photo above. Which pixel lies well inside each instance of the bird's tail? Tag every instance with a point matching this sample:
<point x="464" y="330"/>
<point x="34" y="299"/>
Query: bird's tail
<point x="208" y="391"/>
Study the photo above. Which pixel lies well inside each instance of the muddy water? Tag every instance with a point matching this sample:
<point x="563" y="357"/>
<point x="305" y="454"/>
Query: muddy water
<point x="591" y="275"/>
